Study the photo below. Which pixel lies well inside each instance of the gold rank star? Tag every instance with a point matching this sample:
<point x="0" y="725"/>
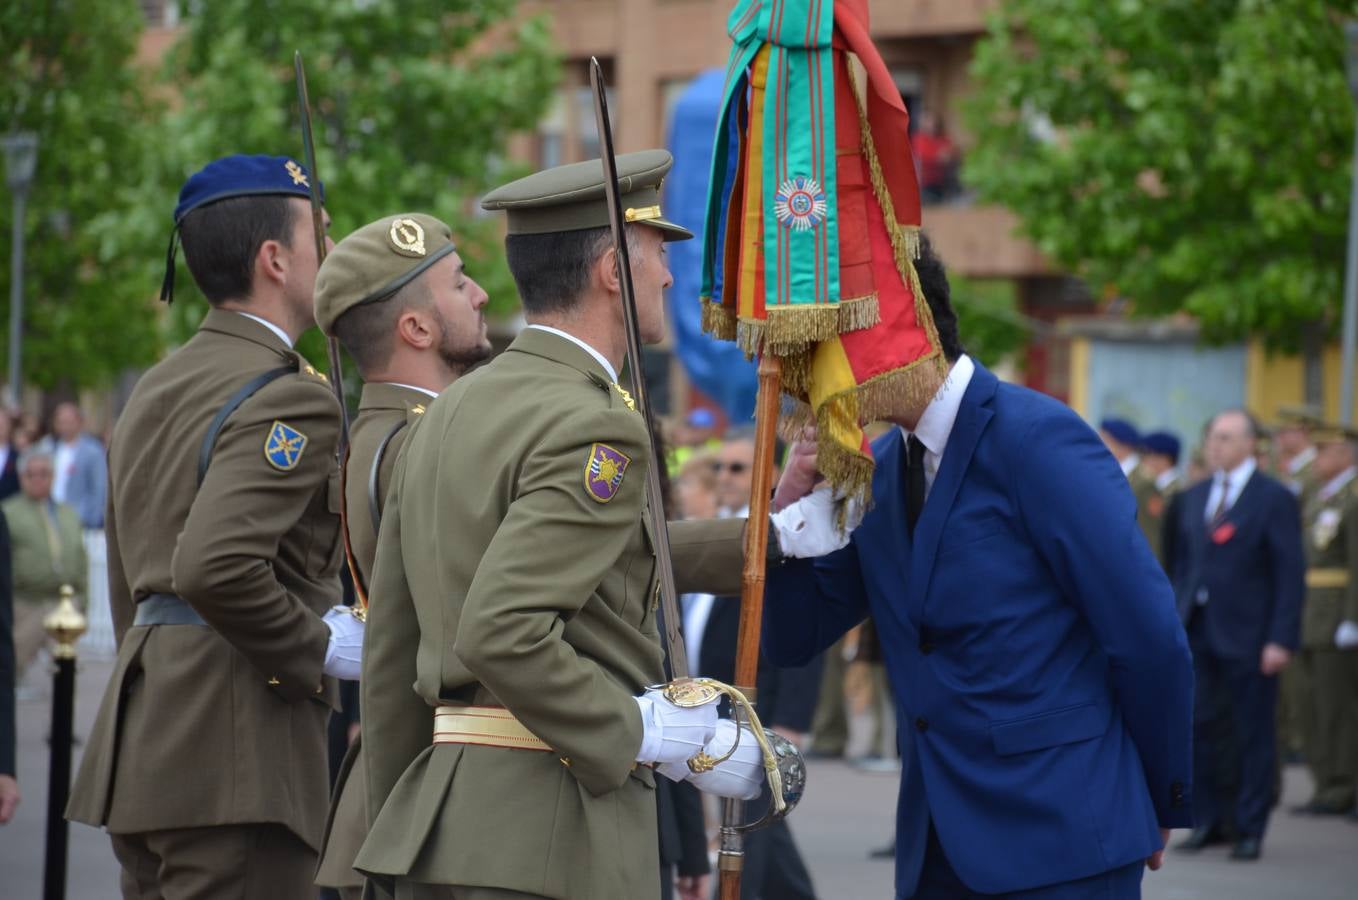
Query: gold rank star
<point x="626" y="397"/>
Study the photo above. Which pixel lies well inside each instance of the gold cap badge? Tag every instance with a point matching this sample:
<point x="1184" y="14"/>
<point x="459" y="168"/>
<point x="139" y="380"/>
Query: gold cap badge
<point x="407" y="236"/>
<point x="298" y="176"/>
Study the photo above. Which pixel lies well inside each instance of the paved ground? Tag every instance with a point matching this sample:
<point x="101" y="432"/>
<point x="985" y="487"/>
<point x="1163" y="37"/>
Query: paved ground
<point x="845" y="813"/>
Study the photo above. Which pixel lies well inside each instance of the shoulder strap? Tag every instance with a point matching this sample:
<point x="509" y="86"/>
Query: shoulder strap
<point x="246" y="391"/>
<point x="373" y="511"/>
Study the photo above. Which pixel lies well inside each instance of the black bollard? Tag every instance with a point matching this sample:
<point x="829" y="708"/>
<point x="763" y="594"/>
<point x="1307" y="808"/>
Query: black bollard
<point x="65" y="625"/>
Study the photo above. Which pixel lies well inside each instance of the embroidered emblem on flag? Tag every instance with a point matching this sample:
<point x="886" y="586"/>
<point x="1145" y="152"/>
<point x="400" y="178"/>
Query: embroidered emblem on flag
<point x="800" y="203"/>
<point x="283" y="447"/>
<point x="604" y="471"/>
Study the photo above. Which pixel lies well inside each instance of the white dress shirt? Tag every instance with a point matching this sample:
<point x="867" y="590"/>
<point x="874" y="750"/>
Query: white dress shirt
<point x="1336" y="484"/>
<point x="1165" y="479"/>
<point x="63" y="462"/>
<point x="697" y="609"/>
<point x="935" y="425"/>
<point x="603" y="361"/>
<point x="282" y="335"/>
<point x="1298" y="462"/>
<point x="1239" y="477"/>
<point x="412" y="387"/>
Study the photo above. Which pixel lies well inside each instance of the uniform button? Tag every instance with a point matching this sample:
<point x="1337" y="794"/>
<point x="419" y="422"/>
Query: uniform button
<point x="922" y="725"/>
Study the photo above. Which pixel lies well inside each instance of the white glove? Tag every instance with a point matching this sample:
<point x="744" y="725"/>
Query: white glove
<point x="344" y="654"/>
<point x="1346" y="635"/>
<point x="807" y="528"/>
<point x="739" y="778"/>
<point x="671" y="734"/>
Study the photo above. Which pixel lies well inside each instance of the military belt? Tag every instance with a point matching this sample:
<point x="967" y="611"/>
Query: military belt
<point x="484" y="726"/>
<point x="1327" y="578"/>
<point x="166" y="609"/>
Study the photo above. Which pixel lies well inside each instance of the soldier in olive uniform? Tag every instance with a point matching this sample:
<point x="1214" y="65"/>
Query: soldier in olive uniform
<point x="1331" y="669"/>
<point x="207" y="762"/>
<point x="397" y="296"/>
<point x="1124" y="442"/>
<point x="515" y="589"/>
<point x="1295" y="449"/>
<point x="1160" y="464"/>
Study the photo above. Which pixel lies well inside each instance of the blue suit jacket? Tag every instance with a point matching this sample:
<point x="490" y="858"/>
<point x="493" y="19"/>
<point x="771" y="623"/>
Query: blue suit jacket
<point x="87" y="489"/>
<point x="1042" y="677"/>
<point x="1255" y="578"/>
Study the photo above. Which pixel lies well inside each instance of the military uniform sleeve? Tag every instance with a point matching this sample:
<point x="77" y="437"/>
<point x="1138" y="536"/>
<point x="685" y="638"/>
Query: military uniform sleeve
<point x="709" y="555"/>
<point x="549" y="555"/>
<point x="223" y="562"/>
<point x="397" y="723"/>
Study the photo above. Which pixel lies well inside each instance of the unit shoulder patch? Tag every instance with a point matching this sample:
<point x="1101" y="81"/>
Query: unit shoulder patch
<point x="603" y="472"/>
<point x="283" y="447"/>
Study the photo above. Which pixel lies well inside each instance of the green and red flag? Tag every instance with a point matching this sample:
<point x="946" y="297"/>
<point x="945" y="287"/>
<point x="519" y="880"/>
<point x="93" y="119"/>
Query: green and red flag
<point x="813" y="223"/>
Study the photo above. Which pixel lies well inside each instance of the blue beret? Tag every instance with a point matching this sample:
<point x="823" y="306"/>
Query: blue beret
<point x="1121" y="431"/>
<point x="1164" y="443"/>
<point x="234" y="176"/>
<point x="242" y="176"/>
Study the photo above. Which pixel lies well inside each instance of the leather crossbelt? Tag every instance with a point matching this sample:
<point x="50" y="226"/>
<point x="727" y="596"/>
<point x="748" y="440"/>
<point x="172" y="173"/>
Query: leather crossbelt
<point x="485" y="726"/>
<point x="1327" y="578"/>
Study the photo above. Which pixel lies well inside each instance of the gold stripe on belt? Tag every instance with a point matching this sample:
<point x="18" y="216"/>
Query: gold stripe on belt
<point x="484" y="726"/>
<point x="1327" y="578"/>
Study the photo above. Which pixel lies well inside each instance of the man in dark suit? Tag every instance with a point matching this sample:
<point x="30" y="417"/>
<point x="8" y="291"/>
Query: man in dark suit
<point x="1234" y="553"/>
<point x="786" y="703"/>
<point x="1042" y="678"/>
<point x="9" y="457"/>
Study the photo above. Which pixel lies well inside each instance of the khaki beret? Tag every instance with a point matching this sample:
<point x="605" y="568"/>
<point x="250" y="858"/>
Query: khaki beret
<point x="376" y="261"/>
<point x="1333" y="432"/>
<point x="571" y="198"/>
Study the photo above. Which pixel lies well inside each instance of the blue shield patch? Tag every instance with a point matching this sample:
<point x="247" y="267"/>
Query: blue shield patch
<point x="283" y="447"/>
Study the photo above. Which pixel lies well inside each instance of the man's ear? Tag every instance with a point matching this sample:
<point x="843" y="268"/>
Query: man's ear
<point x="414" y="329"/>
<point x="272" y="261"/>
<point x="606" y="271"/>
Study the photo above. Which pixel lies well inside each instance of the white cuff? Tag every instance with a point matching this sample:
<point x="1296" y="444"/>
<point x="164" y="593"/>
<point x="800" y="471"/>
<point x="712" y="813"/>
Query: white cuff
<point x="807" y="528"/>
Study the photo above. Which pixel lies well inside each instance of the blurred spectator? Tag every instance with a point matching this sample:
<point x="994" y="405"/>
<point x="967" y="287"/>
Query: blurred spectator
<point x="695" y="487"/>
<point x="81" y="478"/>
<point x="26" y="432"/>
<point x="1234" y="554"/>
<point x="734" y="471"/>
<point x="695" y="433"/>
<point x="48" y="551"/>
<point x="936" y="158"/>
<point x="9" y="457"/>
<point x="9" y="787"/>
<point x="1161" y="461"/>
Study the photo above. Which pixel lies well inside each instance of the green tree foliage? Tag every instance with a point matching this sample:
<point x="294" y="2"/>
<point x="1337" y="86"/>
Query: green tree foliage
<point x="412" y="103"/>
<point x="988" y="318"/>
<point x="66" y="73"/>
<point x="1195" y="154"/>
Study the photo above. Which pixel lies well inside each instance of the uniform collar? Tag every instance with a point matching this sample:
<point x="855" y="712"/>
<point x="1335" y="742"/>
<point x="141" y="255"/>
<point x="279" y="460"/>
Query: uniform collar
<point x="391" y="395"/>
<point x="558" y="346"/>
<point x="1301" y="460"/>
<point x="282" y="335"/>
<point x="598" y="357"/>
<point x="246" y="327"/>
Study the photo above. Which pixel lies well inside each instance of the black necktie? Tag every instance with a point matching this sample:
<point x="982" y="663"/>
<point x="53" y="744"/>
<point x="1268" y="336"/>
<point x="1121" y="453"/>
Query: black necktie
<point x="914" y="481"/>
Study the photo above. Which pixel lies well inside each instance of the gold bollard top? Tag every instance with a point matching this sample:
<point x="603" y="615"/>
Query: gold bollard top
<point x="65" y="624"/>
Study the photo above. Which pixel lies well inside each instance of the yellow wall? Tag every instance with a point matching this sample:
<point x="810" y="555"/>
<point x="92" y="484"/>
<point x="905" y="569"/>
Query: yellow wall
<point x="1079" y="375"/>
<point x="1276" y="380"/>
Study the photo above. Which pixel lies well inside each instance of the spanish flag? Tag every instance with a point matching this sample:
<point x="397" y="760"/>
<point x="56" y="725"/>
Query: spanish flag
<point x="813" y="224"/>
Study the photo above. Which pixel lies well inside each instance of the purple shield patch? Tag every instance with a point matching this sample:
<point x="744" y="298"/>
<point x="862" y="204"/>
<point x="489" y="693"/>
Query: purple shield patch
<point x="604" y="471"/>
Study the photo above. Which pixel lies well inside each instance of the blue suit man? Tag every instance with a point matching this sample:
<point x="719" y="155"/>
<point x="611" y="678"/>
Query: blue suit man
<point x="1041" y="674"/>
<point x="82" y="466"/>
<point x="1233" y="548"/>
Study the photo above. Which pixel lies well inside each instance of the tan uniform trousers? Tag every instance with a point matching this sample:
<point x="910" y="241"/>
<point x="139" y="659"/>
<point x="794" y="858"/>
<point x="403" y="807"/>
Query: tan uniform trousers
<point x="225" y="862"/>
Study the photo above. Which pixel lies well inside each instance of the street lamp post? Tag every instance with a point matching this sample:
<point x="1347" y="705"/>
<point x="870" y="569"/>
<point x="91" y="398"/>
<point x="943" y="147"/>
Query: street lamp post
<point x="1349" y="336"/>
<point x="21" y="157"/>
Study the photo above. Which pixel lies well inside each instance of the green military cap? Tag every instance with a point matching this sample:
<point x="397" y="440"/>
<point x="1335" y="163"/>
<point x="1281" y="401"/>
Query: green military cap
<point x="1332" y="432"/>
<point x="1299" y="415"/>
<point x="571" y="198"/>
<point x="376" y="261"/>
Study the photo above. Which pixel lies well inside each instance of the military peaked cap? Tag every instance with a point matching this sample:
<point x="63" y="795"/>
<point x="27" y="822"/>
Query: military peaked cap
<point x="571" y="198"/>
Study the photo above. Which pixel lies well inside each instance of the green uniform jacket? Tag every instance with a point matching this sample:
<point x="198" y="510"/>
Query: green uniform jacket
<point x="38" y="577"/>
<point x="1150" y="508"/>
<point x="501" y="580"/>
<point x="224" y="724"/>
<point x="381" y="408"/>
<point x="1331" y="536"/>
